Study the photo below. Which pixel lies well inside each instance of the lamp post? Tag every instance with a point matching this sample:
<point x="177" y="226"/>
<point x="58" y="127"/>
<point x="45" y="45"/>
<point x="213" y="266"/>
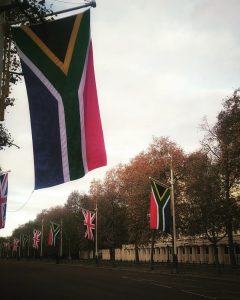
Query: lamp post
<point x="174" y="254"/>
<point x="96" y="235"/>
<point x="69" y="249"/>
<point x="41" y="249"/>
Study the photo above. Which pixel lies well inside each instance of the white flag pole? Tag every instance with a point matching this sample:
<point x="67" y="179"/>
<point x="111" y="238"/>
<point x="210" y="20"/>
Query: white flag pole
<point x="175" y="258"/>
<point x="41" y="240"/>
<point x="29" y="237"/>
<point x="19" y="246"/>
<point x="61" y="239"/>
<point x="96" y="235"/>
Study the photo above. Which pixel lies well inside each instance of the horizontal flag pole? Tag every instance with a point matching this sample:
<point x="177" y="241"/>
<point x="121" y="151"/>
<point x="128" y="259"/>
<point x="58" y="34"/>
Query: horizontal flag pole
<point x="92" y="211"/>
<point x="89" y="4"/>
<point x="15" y="73"/>
<point x="157" y="181"/>
<point x="4" y="172"/>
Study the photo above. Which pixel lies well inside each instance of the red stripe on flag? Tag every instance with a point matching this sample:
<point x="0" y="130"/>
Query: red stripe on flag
<point x="153" y="213"/>
<point x="95" y="147"/>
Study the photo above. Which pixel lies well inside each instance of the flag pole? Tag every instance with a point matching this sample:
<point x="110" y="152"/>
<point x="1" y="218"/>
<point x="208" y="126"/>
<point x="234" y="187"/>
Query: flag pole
<point x="28" y="244"/>
<point x="19" y="248"/>
<point x="61" y="239"/>
<point x="89" y="4"/>
<point x="5" y="172"/>
<point x="41" y="241"/>
<point x="96" y="235"/>
<point x="160" y="183"/>
<point x="152" y="248"/>
<point x="175" y="258"/>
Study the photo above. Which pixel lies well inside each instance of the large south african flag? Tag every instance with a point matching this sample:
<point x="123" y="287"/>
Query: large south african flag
<point x="57" y="62"/>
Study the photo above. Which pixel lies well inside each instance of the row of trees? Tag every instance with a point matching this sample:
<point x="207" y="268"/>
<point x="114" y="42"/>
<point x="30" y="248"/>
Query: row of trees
<point x="206" y="184"/>
<point x="206" y="191"/>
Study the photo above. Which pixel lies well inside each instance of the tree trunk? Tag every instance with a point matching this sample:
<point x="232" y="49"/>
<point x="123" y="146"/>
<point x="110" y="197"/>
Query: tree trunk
<point x="152" y="248"/>
<point x="229" y="228"/>
<point x="112" y="254"/>
<point x="231" y="244"/>
<point x="216" y="259"/>
<point x="215" y="250"/>
<point x="88" y="250"/>
<point x="136" y="254"/>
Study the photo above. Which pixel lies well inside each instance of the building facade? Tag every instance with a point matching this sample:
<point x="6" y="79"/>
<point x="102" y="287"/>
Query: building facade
<point x="188" y="251"/>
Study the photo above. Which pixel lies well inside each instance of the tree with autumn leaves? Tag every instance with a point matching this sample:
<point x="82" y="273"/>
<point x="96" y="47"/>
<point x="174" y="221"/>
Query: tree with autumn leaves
<point x="135" y="186"/>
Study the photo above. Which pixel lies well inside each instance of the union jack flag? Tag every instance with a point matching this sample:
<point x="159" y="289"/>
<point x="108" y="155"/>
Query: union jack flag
<point x="16" y="244"/>
<point x="36" y="238"/>
<point x="88" y="221"/>
<point x="3" y="198"/>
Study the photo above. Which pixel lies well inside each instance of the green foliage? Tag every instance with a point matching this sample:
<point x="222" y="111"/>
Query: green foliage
<point x="222" y="144"/>
<point x="31" y="11"/>
<point x="203" y="206"/>
<point x="5" y="138"/>
<point x="28" y="12"/>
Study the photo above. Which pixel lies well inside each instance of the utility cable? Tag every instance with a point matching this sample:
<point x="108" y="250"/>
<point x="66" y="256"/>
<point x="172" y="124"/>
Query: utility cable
<point x="24" y="204"/>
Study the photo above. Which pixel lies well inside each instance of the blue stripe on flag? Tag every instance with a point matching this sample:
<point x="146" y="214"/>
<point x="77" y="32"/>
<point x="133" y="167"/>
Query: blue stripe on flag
<point x="45" y="127"/>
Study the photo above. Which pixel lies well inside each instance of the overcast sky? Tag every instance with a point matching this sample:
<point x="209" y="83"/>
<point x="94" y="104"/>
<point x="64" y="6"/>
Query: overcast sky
<point x="160" y="66"/>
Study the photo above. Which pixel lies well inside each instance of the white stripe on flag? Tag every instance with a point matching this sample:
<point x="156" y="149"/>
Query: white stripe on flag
<point x="163" y="214"/>
<point x="61" y="115"/>
<point x="81" y="111"/>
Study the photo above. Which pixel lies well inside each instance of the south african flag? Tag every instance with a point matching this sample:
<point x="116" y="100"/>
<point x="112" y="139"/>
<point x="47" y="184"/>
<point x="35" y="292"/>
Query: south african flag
<point x="57" y="62"/>
<point x="160" y="211"/>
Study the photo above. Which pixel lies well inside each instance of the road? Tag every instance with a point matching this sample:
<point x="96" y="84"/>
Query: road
<point x="39" y="280"/>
